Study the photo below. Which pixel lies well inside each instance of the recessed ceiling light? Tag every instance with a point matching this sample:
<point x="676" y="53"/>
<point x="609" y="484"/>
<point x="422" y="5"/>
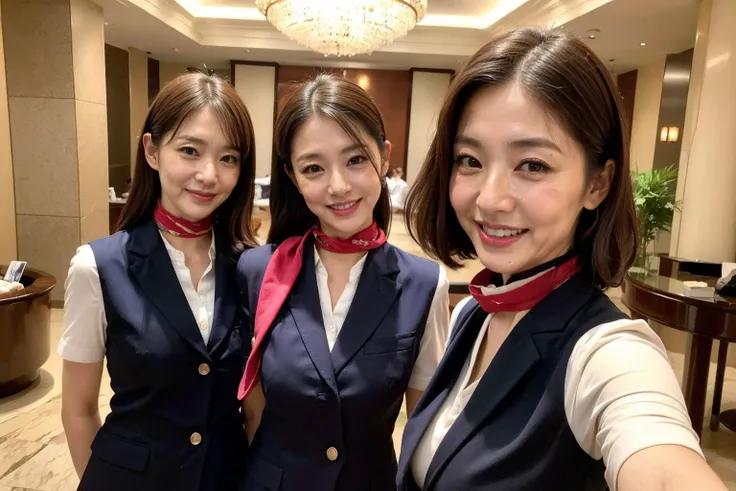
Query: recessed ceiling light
<point x="642" y="44"/>
<point x="107" y="23"/>
<point x="591" y="33"/>
<point x="176" y="49"/>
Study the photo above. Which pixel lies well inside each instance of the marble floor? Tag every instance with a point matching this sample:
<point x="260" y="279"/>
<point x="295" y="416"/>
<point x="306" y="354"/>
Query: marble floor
<point x="34" y="456"/>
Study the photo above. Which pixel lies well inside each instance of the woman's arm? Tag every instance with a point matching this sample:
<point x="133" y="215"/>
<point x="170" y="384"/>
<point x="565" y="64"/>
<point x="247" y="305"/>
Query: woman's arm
<point x="79" y="409"/>
<point x="624" y="405"/>
<point x="667" y="468"/>
<point x="433" y="343"/>
<point x="82" y="346"/>
<point x="253" y="406"/>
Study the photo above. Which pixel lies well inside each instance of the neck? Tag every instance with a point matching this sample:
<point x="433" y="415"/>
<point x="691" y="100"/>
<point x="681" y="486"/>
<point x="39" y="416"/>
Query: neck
<point x="338" y="260"/>
<point x="536" y="269"/>
<point x="187" y="245"/>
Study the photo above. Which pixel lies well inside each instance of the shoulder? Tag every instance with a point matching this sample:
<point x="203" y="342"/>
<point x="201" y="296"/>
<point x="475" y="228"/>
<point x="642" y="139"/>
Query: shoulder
<point x="413" y="266"/>
<point x="614" y="339"/>
<point x="256" y="259"/>
<point x="83" y="263"/>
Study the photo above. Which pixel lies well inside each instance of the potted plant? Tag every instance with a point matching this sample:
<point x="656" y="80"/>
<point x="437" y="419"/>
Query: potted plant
<point x="654" y="197"/>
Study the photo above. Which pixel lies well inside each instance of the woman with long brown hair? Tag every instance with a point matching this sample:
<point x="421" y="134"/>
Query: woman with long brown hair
<point x="545" y="384"/>
<point x="158" y="302"/>
<point x="345" y="324"/>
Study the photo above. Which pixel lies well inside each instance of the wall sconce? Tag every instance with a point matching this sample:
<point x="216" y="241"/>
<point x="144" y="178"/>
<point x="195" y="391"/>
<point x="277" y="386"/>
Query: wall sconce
<point x="669" y="134"/>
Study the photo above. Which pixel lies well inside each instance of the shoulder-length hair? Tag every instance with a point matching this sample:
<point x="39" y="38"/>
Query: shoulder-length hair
<point x="178" y="100"/>
<point x="353" y="109"/>
<point x="563" y="75"/>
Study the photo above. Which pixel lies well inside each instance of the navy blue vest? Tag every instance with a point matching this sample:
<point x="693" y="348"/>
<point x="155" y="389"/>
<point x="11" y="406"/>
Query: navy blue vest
<point x="167" y="384"/>
<point x="513" y="435"/>
<point x="330" y="416"/>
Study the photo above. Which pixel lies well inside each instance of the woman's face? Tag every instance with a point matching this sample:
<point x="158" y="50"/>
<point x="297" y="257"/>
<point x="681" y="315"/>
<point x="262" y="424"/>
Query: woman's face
<point x="337" y="179"/>
<point x="198" y="167"/>
<point x="519" y="181"/>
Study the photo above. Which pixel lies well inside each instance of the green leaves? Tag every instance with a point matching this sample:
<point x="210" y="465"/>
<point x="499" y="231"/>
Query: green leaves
<point x="654" y="197"/>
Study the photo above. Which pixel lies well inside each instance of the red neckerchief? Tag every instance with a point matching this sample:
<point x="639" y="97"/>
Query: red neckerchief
<point x="180" y="227"/>
<point x="279" y="278"/>
<point x="522" y="297"/>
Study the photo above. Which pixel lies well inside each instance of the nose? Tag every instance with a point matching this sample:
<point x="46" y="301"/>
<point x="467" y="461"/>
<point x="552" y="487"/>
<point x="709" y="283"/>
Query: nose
<point x="339" y="185"/>
<point x="496" y="195"/>
<point x="207" y="174"/>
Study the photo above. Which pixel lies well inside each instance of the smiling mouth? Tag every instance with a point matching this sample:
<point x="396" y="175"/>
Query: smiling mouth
<point x="502" y="232"/>
<point x="344" y="206"/>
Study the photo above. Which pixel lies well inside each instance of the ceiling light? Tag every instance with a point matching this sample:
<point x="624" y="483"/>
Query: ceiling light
<point x="107" y="23"/>
<point x="642" y="44"/>
<point x="591" y="33"/>
<point x="343" y="28"/>
<point x="176" y="49"/>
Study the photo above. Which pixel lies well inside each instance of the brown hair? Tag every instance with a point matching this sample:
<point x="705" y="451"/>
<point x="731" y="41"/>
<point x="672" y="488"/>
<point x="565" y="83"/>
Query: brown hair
<point x="353" y="109"/>
<point x="178" y="100"/>
<point x="569" y="80"/>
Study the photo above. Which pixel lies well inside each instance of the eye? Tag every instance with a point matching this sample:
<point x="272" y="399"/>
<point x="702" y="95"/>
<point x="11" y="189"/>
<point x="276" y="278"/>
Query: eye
<point x="190" y="151"/>
<point x="230" y="159"/>
<point x="311" y="169"/>
<point x="534" y="167"/>
<point x="358" y="159"/>
<point x="467" y="161"/>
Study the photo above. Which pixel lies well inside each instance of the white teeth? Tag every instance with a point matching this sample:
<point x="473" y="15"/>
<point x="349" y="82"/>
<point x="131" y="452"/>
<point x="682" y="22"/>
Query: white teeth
<point x="499" y="232"/>
<point x="343" y="207"/>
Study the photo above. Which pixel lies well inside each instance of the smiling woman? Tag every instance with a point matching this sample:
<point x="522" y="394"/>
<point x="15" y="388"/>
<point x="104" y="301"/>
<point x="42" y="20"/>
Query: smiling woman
<point x="346" y="325"/>
<point x="157" y="302"/>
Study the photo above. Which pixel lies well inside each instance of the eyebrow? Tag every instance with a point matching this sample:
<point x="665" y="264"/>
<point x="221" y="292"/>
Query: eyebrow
<point x="524" y="143"/>
<point x="199" y="141"/>
<point x="317" y="155"/>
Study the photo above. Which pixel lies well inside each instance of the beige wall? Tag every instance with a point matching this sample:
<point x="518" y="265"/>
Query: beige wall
<point x="54" y="54"/>
<point x="169" y="71"/>
<point x="8" y="237"/>
<point x="427" y="94"/>
<point x="706" y="228"/>
<point x="644" y="129"/>
<point x="138" y="78"/>
<point x="255" y="85"/>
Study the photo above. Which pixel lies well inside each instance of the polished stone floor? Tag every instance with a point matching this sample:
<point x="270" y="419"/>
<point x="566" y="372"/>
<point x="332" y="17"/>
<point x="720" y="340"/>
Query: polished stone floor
<point x="34" y="456"/>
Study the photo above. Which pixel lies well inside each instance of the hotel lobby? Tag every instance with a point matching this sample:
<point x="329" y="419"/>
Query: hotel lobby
<point x="77" y="78"/>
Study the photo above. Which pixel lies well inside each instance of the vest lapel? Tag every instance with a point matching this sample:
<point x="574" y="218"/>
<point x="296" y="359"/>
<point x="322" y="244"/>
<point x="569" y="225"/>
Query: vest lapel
<point x="305" y="308"/>
<point x="377" y="290"/>
<point x="439" y="389"/>
<point x="226" y="300"/>
<point x="151" y="266"/>
<point x="516" y="357"/>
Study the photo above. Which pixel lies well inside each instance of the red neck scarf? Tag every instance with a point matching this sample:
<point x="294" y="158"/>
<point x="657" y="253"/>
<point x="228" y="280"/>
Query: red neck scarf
<point x="279" y="278"/>
<point x="522" y="294"/>
<point x="179" y="226"/>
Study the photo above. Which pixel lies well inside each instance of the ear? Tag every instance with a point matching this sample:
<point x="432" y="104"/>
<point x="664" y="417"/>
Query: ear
<point x="387" y="159"/>
<point x="151" y="151"/>
<point x="599" y="186"/>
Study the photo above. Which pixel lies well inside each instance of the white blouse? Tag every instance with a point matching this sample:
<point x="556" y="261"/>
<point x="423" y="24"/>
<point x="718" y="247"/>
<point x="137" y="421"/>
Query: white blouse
<point x="85" y="324"/>
<point x="621" y="396"/>
<point x="434" y="340"/>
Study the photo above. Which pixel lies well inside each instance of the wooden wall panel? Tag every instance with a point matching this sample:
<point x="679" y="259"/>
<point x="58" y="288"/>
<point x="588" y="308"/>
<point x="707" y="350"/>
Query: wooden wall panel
<point x="390" y="89"/>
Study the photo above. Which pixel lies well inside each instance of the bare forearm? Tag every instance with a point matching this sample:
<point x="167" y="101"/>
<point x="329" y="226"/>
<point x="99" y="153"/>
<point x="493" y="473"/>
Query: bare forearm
<point x="80" y="431"/>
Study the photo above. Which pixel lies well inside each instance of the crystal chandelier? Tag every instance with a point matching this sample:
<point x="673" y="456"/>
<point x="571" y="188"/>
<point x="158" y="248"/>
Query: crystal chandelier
<point x="343" y="27"/>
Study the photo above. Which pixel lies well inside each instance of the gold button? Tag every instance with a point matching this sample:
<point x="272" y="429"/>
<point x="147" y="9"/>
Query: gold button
<point x="195" y="438"/>
<point x="204" y="369"/>
<point x="332" y="454"/>
<point x="203" y="326"/>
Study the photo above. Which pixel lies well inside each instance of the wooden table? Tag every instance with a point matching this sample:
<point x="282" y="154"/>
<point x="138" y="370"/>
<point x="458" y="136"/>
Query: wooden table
<point x="660" y="298"/>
